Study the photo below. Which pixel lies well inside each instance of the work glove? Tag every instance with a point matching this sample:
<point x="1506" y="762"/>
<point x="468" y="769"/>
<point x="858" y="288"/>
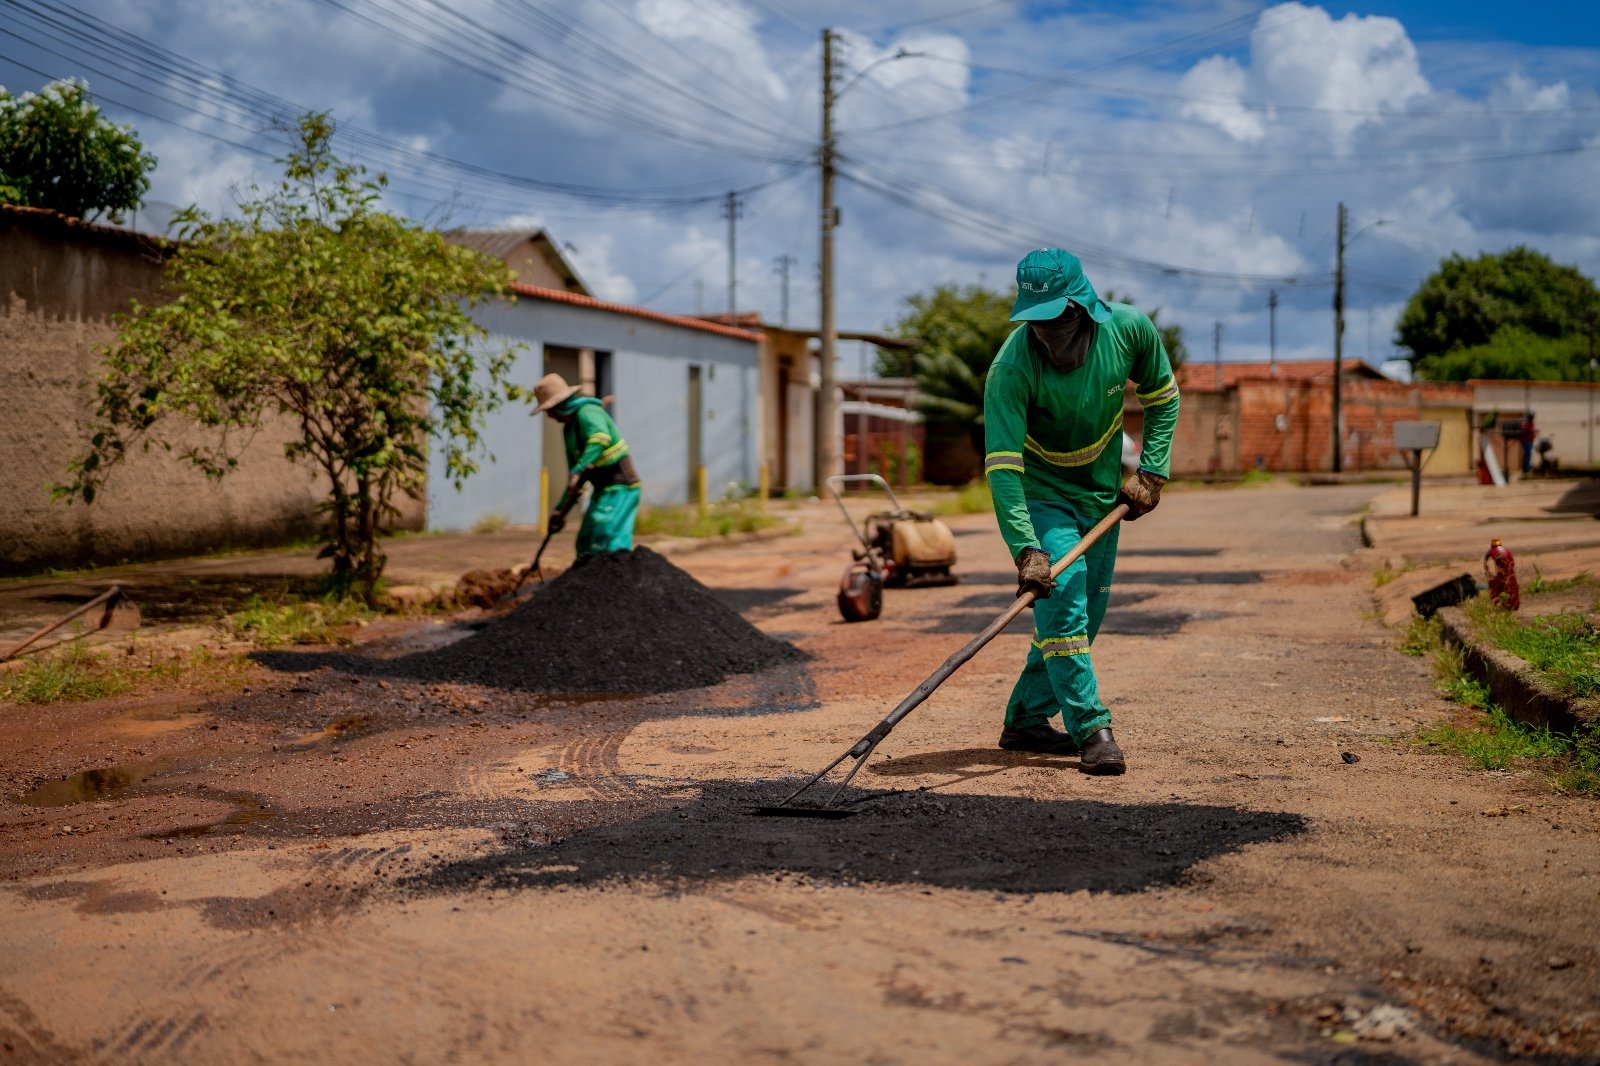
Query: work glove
<point x="1141" y="493"/>
<point x="1033" y="573"/>
<point x="558" y="517"/>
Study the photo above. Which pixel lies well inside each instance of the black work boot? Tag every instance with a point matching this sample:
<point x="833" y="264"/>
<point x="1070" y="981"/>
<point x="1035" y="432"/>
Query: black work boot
<point x="1101" y="754"/>
<point x="1043" y="738"/>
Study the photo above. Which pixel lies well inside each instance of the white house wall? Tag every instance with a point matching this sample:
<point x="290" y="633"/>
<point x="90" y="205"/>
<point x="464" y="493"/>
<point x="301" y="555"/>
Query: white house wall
<point x="650" y="382"/>
<point x="506" y="486"/>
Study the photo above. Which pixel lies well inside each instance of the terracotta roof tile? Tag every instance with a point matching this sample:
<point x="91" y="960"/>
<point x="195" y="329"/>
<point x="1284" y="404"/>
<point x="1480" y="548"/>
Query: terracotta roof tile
<point x="539" y="292"/>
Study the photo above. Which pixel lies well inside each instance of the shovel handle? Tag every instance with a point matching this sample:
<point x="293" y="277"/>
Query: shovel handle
<point x="107" y="596"/>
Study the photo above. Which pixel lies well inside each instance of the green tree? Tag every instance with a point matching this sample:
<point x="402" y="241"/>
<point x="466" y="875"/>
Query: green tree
<point x="313" y="305"/>
<point x="1171" y="335"/>
<point x="1466" y="303"/>
<point x="57" y="151"/>
<point x="1515" y="354"/>
<point x="962" y="329"/>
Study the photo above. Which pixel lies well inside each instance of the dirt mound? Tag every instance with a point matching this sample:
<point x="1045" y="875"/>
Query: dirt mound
<point x="614" y="622"/>
<point x="485" y="588"/>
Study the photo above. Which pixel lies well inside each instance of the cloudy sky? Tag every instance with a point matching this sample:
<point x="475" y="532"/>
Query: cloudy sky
<point x="1192" y="152"/>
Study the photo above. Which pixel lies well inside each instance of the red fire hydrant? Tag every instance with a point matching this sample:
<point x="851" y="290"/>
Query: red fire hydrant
<point x="1501" y="568"/>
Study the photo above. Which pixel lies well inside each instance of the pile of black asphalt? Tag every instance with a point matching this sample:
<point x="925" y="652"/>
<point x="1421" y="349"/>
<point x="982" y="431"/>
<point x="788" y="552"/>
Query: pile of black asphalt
<point x="615" y="622"/>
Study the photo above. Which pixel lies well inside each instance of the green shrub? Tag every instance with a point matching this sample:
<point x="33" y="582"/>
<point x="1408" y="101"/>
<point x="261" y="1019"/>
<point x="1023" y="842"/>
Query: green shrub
<point x="269" y="623"/>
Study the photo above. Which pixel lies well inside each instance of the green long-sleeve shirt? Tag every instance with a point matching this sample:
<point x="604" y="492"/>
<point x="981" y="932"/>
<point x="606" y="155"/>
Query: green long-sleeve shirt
<point x="1058" y="435"/>
<point x="591" y="437"/>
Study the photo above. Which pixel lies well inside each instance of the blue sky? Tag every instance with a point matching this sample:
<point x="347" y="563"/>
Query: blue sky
<point x="1192" y="152"/>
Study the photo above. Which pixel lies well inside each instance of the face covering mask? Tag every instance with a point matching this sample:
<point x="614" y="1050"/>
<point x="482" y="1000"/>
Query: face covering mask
<point x="1063" y="342"/>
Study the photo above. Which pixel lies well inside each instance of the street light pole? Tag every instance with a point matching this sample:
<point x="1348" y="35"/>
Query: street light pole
<point x="1338" y="339"/>
<point x="731" y="209"/>
<point x="823" y="449"/>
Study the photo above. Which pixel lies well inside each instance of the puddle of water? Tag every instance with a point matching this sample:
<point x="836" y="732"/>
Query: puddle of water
<point x="248" y="809"/>
<point x="107" y="783"/>
<point x="154" y="719"/>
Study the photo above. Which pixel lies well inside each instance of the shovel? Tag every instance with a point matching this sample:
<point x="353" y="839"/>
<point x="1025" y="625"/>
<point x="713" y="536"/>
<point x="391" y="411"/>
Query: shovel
<point x="865" y="746"/>
<point x="567" y="500"/>
<point x="116" y="611"/>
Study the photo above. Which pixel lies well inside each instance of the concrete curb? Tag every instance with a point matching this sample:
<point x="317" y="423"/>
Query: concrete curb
<point x="1513" y="684"/>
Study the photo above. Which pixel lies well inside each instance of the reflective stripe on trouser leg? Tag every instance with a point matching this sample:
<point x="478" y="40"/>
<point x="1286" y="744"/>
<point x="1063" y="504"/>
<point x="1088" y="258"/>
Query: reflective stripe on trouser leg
<point x="608" y="523"/>
<point x="1058" y="675"/>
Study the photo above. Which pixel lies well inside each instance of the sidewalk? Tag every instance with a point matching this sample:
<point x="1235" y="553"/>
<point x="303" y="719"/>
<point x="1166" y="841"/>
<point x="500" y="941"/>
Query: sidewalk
<point x="1549" y="525"/>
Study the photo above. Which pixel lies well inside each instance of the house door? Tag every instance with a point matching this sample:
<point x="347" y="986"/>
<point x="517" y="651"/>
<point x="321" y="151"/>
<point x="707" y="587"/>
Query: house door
<point x="695" y="457"/>
<point x="563" y="361"/>
<point x="782" y="473"/>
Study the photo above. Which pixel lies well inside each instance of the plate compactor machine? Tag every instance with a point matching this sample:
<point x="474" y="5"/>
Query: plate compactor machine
<point x="899" y="549"/>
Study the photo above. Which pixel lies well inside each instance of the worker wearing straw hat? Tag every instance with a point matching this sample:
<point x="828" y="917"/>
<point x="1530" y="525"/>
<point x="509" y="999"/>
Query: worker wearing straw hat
<point x="598" y="456"/>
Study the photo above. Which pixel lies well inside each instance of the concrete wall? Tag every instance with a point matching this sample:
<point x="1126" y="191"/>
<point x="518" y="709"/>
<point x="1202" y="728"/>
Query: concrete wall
<point x="1564" y="411"/>
<point x="61" y="283"/>
<point x="650" y="371"/>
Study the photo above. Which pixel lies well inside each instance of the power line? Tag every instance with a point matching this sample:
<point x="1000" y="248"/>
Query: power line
<point x="153" y="64"/>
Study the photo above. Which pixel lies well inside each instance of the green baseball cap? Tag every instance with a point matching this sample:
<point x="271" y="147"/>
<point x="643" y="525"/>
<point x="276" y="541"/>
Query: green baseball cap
<point x="1047" y="279"/>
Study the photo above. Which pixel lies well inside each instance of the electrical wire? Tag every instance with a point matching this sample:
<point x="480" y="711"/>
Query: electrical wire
<point x="152" y="63"/>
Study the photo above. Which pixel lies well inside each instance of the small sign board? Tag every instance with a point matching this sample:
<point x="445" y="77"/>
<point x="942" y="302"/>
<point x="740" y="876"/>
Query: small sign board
<point x="1416" y="436"/>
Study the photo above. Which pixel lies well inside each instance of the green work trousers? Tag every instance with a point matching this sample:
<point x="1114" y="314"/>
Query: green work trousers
<point x="608" y="522"/>
<point x="1058" y="677"/>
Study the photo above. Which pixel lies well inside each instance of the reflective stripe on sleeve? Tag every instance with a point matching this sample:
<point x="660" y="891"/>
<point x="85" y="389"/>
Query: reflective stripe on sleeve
<point x="612" y="454"/>
<point x="1002" y="461"/>
<point x="1163" y="394"/>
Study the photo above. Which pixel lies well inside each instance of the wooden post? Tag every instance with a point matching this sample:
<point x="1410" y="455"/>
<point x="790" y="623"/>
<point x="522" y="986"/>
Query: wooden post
<point x="701" y="487"/>
<point x="544" y="500"/>
<point x="765" y="489"/>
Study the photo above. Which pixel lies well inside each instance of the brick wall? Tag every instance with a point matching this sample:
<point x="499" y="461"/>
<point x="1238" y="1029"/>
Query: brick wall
<point x="1285" y="426"/>
<point x="61" y="285"/>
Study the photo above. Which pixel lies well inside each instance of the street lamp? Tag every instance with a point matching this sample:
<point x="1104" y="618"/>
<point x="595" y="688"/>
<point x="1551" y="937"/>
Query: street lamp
<point x="1338" y="327"/>
<point x="824" y="452"/>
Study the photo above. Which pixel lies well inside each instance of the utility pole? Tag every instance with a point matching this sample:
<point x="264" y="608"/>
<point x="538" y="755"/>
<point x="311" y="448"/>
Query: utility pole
<point x="782" y="265"/>
<point x="1591" y="391"/>
<point x="824" y="450"/>
<point x="1216" y="351"/>
<point x="1338" y="337"/>
<point x="1272" y="332"/>
<point x="730" y="210"/>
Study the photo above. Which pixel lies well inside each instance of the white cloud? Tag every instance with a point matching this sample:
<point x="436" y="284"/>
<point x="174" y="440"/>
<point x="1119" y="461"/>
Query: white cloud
<point x="1219" y="85"/>
<point x="1353" y="69"/>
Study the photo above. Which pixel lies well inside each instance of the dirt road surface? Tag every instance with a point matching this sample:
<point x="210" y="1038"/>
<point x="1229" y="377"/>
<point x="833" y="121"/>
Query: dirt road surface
<point x="326" y="868"/>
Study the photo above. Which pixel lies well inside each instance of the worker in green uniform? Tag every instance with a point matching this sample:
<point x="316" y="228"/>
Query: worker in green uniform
<point x="598" y="456"/>
<point x="1052" y="410"/>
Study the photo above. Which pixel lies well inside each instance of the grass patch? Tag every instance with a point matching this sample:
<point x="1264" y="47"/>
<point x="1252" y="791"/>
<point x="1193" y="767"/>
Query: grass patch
<point x="1386" y="573"/>
<point x="270" y="623"/>
<point x="971" y="498"/>
<point x="1564" y="648"/>
<point x="1491" y="739"/>
<point x="1257" y="477"/>
<point x="718" y="520"/>
<point x="490" y="523"/>
<point x="1539" y="584"/>
<point x="1421" y="636"/>
<point x="77" y="674"/>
